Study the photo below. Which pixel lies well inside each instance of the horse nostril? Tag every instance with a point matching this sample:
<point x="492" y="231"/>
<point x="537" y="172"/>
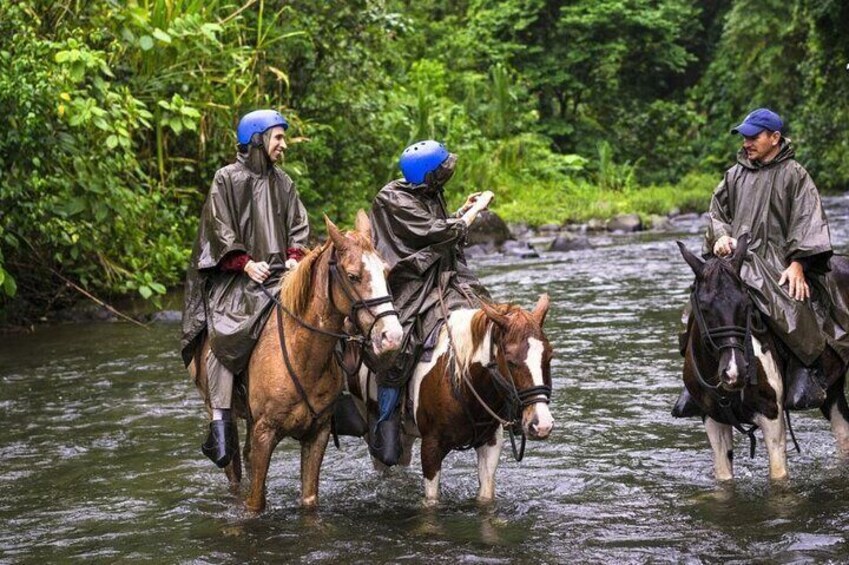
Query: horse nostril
<point x="388" y="339"/>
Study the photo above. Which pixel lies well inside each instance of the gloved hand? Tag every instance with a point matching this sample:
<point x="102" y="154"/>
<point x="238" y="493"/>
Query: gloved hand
<point x="724" y="246"/>
<point x="258" y="271"/>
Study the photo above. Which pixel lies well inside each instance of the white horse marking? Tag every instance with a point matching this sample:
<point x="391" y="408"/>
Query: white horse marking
<point x="545" y="421"/>
<point x="719" y="436"/>
<point x="732" y="370"/>
<point x="775" y="435"/>
<point x="387" y="328"/>
<point x="488" y="456"/>
<point x="432" y="488"/>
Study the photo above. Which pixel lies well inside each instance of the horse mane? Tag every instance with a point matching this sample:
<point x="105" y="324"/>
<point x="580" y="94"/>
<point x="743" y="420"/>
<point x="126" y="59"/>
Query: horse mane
<point x="470" y="332"/>
<point x="717" y="266"/>
<point x="298" y="284"/>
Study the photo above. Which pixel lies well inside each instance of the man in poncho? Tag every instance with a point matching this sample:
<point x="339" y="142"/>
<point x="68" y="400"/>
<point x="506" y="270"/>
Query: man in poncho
<point x="769" y="195"/>
<point x="422" y="245"/>
<point x="253" y="226"/>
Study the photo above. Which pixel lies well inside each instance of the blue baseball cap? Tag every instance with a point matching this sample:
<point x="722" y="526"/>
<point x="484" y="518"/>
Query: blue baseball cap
<point x="758" y="121"/>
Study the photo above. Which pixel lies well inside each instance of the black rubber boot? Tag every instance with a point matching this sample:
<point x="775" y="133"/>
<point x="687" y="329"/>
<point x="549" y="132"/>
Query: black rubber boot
<point x="685" y="406"/>
<point x="804" y="388"/>
<point x="385" y="440"/>
<point x="219" y="445"/>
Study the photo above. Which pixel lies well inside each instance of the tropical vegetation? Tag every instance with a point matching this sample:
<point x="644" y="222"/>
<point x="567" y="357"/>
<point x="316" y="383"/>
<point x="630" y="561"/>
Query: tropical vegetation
<point x="117" y="113"/>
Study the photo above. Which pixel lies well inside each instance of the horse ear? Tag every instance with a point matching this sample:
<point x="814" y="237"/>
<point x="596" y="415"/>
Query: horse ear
<point x="541" y="309"/>
<point x="740" y="252"/>
<point x="695" y="263"/>
<point x="494" y="314"/>
<point x="339" y="240"/>
<point x="363" y="224"/>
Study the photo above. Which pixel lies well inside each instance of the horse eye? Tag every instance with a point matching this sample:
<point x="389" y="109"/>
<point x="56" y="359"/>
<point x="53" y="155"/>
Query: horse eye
<point x="353" y="278"/>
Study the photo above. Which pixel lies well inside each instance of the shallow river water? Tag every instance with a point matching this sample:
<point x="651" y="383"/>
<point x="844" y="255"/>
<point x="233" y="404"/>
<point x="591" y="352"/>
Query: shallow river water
<point x="100" y="430"/>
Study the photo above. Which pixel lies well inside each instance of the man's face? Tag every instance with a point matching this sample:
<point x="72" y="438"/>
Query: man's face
<point x="276" y="143"/>
<point x="763" y="146"/>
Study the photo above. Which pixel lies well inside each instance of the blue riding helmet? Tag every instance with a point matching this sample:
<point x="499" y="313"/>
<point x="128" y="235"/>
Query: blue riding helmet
<point x="258" y="121"/>
<point x="422" y="158"/>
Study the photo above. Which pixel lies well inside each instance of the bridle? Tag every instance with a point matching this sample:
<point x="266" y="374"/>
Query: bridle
<point x="356" y="300"/>
<point x="729" y="337"/>
<point x="357" y="303"/>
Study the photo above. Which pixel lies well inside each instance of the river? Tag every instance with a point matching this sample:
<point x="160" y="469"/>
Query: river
<point x="100" y="430"/>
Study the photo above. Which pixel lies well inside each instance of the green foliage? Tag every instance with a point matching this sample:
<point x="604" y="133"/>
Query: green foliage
<point x="117" y="114"/>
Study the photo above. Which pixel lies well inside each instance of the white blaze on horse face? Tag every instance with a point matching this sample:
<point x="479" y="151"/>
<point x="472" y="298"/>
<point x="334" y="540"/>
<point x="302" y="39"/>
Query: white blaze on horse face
<point x="732" y="370"/>
<point x="387" y="332"/>
<point x="534" y="362"/>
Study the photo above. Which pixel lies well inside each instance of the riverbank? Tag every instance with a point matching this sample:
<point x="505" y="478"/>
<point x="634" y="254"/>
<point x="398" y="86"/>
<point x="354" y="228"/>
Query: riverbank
<point x="584" y="202"/>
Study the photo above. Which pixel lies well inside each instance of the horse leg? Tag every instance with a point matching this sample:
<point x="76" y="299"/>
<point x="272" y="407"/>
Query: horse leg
<point x="836" y="411"/>
<point x="249" y="428"/>
<point x="488" y="455"/>
<point x="312" y="454"/>
<point x="775" y="437"/>
<point x="233" y="470"/>
<point x="721" y="441"/>
<point x="263" y="442"/>
<point x="407" y="441"/>
<point x="432" y="456"/>
<point x="774" y="430"/>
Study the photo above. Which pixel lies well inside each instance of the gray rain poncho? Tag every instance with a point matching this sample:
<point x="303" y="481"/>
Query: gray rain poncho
<point x="423" y="248"/>
<point x="778" y="204"/>
<point x="252" y="207"/>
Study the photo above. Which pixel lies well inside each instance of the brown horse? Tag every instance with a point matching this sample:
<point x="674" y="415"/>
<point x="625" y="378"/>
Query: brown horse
<point x="490" y="370"/>
<point x="292" y="378"/>
<point x="733" y="373"/>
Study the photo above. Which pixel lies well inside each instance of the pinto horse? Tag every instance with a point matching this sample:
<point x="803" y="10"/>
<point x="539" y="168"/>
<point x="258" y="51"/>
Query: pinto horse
<point x="733" y="372"/>
<point x="292" y="378"/>
<point x="490" y="370"/>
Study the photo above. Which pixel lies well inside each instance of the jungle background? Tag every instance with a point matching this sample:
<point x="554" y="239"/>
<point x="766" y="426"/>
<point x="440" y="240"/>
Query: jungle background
<point x="116" y="114"/>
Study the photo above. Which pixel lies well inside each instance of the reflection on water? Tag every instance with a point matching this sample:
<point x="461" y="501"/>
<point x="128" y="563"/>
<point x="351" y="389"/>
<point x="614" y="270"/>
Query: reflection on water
<point x="100" y="433"/>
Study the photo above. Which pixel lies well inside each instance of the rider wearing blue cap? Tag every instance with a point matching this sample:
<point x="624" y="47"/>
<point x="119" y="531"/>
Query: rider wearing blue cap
<point x="253" y="226"/>
<point x="770" y="196"/>
<point x="422" y="245"/>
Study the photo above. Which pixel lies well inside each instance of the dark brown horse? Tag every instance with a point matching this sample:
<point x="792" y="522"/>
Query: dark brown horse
<point x="490" y="369"/>
<point x="733" y="372"/>
<point x="292" y="378"/>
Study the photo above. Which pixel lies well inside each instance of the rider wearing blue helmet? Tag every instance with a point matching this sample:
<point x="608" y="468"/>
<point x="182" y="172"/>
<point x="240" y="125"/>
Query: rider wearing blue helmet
<point x="253" y="227"/>
<point x="422" y="245"/>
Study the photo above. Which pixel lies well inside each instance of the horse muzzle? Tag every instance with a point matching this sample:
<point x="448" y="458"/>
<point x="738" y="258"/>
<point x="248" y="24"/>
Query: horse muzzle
<point x="537" y="421"/>
<point x="732" y="373"/>
<point x="386" y="336"/>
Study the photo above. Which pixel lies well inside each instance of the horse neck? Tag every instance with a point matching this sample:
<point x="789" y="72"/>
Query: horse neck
<point x="320" y="309"/>
<point x="471" y="334"/>
<point x="319" y="312"/>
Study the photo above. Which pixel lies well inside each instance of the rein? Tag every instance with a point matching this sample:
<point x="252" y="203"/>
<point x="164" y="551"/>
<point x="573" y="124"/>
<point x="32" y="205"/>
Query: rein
<point x="333" y="274"/>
